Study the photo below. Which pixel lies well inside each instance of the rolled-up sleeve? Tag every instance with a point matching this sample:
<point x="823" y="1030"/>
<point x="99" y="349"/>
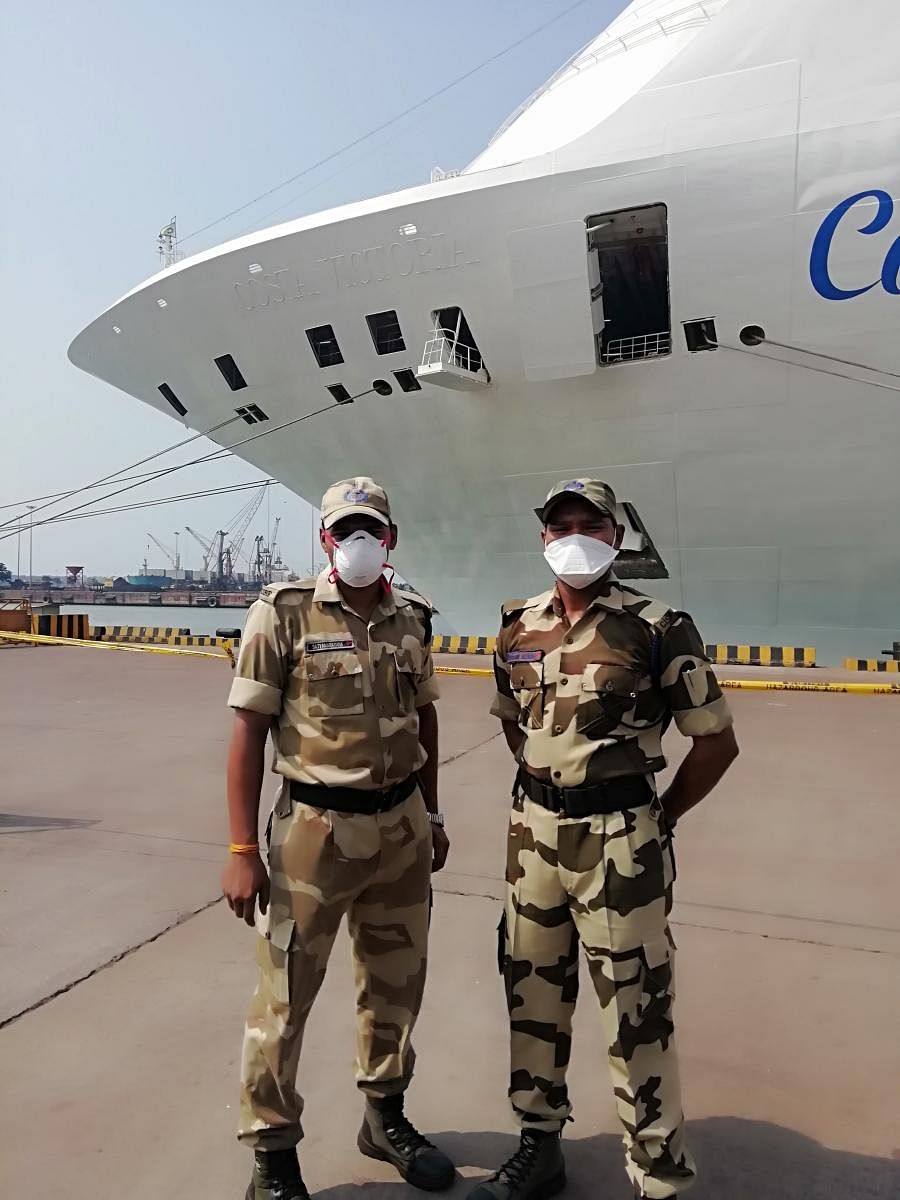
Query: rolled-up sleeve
<point x="427" y="689"/>
<point x="504" y="705"/>
<point x="263" y="663"/>
<point x="691" y="688"/>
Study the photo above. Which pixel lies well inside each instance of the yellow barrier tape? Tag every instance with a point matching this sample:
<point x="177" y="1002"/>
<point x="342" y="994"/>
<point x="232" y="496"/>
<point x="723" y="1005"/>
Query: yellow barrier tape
<point x="750" y="685"/>
<point x="463" y="671"/>
<point x="743" y="685"/>
<point x="43" y="640"/>
<point x="792" y="685"/>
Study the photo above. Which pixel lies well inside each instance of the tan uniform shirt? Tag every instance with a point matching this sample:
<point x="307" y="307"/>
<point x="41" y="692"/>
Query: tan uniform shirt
<point x="343" y="693"/>
<point x="585" y="694"/>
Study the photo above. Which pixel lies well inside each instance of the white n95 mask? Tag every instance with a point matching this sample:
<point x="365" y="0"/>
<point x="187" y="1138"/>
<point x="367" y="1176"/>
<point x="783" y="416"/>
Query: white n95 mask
<point x="360" y="558"/>
<point x="578" y="560"/>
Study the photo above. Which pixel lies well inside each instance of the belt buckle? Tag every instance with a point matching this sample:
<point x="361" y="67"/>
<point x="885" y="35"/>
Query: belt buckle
<point x="578" y="808"/>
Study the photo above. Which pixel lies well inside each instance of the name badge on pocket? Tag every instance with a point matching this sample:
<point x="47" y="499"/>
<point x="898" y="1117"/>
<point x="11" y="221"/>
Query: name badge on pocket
<point x="520" y="656"/>
<point x="321" y="645"/>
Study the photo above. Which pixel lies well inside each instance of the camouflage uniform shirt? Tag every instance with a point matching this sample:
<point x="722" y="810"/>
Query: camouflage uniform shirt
<point x="587" y="697"/>
<point x="343" y="693"/>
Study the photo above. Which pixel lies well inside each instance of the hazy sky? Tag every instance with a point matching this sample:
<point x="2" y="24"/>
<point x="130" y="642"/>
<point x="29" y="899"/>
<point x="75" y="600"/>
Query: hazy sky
<point x="117" y="116"/>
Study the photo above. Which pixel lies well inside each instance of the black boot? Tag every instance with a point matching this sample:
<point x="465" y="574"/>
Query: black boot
<point x="388" y="1135"/>
<point x="536" y="1171"/>
<point x="276" y="1176"/>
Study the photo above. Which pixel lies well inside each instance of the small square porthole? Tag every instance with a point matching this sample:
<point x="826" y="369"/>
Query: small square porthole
<point x="230" y="372"/>
<point x="252" y="413"/>
<point x="407" y="380"/>
<point x="340" y="393"/>
<point x="325" y="346"/>
<point x="700" y="335"/>
<point x="166" y="391"/>
<point x="386" y="333"/>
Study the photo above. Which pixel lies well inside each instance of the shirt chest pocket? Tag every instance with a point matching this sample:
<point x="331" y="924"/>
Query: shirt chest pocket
<point x="331" y="685"/>
<point x="608" y="692"/>
<point x="527" y="682"/>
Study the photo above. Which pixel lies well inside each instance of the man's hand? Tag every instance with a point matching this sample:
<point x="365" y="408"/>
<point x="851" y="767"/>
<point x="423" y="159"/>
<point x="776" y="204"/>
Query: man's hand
<point x="440" y="847"/>
<point x="245" y="880"/>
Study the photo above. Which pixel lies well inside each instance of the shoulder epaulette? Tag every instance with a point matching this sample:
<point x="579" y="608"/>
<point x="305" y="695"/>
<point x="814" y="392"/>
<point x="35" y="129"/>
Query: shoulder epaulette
<point x="655" y="613"/>
<point x="415" y="598"/>
<point x="510" y="609"/>
<point x="272" y="591"/>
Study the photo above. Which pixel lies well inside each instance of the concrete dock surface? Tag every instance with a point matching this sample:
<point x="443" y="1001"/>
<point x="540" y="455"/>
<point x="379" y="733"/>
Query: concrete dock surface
<point x="125" y="979"/>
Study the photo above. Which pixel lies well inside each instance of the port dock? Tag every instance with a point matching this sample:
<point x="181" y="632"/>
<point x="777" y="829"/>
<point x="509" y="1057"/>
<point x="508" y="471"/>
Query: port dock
<point x="125" y="977"/>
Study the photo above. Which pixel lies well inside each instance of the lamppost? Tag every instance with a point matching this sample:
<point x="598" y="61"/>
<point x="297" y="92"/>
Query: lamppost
<point x="31" y="546"/>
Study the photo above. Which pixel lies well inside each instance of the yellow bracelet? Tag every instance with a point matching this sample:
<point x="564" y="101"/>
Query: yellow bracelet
<point x="243" y="848"/>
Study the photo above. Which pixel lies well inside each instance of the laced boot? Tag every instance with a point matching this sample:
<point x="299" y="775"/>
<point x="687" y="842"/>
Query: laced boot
<point x="388" y="1135"/>
<point x="276" y="1176"/>
<point x="536" y="1171"/>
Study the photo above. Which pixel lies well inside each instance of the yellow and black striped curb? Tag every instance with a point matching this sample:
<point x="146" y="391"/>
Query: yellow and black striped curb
<point x="69" y="625"/>
<point x="124" y="633"/>
<point x="730" y="655"/>
<point x="459" y="644"/>
<point x="152" y="635"/>
<point x="872" y="664"/>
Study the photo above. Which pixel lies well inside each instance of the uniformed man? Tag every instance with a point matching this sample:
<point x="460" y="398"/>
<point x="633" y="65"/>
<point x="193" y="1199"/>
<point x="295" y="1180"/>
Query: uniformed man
<point x="588" y="676"/>
<point x="339" y="670"/>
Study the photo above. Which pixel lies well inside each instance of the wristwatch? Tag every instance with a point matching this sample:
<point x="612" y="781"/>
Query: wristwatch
<point x="436" y="819"/>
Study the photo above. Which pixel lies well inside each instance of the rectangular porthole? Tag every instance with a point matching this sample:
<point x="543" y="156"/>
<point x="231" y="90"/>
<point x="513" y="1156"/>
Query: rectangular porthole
<point x="324" y="346"/>
<point x="172" y="399"/>
<point x="407" y="380"/>
<point x="251" y="413"/>
<point x="340" y="393"/>
<point x="386" y="332"/>
<point x="231" y="372"/>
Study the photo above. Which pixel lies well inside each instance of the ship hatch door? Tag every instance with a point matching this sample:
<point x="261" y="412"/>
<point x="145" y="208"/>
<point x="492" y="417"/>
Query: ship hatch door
<point x="549" y="273"/>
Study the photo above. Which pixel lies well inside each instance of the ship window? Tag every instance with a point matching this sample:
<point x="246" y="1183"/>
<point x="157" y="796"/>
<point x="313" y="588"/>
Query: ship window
<point x="340" y="393"/>
<point x="628" y="269"/>
<point x="324" y="346"/>
<point x="386" y="333"/>
<point x="700" y="335"/>
<point x="231" y="372"/>
<point x="173" y="399"/>
<point x="407" y="380"/>
<point x="638" y="557"/>
<point x="252" y="414"/>
<point x="452" y="340"/>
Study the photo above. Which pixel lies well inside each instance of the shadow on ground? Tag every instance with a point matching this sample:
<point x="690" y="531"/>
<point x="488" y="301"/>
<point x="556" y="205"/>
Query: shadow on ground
<point x="737" y="1159"/>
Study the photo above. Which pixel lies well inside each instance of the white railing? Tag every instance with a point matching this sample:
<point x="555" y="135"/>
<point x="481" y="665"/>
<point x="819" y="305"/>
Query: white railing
<point x="631" y="349"/>
<point x="442" y="347"/>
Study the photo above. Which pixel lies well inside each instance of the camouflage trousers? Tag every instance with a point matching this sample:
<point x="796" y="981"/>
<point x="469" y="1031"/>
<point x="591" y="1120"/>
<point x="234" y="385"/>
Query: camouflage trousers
<point x="323" y="864"/>
<point x="605" y="881"/>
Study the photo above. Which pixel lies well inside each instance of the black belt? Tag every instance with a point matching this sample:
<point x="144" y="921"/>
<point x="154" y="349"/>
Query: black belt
<point x="353" y="800"/>
<point x="630" y="791"/>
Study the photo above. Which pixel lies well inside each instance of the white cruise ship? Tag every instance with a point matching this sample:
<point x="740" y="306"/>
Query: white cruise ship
<point x="676" y="267"/>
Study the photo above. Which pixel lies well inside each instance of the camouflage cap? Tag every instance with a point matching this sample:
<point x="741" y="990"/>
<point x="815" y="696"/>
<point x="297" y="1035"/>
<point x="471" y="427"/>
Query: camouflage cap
<point x="358" y="495"/>
<point x="594" y="491"/>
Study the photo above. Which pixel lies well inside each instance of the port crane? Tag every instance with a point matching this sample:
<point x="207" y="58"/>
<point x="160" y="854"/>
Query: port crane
<point x="172" y="555"/>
